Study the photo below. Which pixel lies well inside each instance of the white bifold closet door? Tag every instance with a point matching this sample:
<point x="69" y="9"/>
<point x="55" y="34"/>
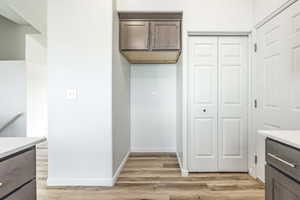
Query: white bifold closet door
<point x="218" y="94"/>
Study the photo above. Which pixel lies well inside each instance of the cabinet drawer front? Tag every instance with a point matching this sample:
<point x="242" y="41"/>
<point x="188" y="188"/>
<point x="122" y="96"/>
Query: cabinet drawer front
<point x="283" y="157"/>
<point x="27" y="192"/>
<point x="16" y="171"/>
<point x="280" y="186"/>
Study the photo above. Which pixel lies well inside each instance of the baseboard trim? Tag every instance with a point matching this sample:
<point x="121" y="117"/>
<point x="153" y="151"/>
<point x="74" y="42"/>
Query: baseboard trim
<point x="183" y="171"/>
<point x="118" y="172"/>
<point x="153" y="150"/>
<point x="69" y="182"/>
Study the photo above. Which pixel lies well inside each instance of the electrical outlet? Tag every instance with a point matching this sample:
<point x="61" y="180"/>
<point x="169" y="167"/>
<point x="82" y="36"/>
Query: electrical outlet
<point x="71" y="94"/>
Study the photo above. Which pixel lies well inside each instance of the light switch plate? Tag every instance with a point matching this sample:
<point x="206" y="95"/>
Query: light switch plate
<point x="71" y="94"/>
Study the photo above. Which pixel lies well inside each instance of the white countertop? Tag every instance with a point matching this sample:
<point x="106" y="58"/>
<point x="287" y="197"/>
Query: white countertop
<point x="10" y="145"/>
<point x="291" y="138"/>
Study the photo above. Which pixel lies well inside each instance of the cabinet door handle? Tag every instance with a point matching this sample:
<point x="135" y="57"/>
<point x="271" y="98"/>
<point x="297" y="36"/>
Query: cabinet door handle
<point x="281" y="160"/>
<point x="1" y="184"/>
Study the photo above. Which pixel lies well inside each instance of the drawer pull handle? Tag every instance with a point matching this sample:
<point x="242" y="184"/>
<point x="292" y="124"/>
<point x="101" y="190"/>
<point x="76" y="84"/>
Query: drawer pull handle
<point x="281" y="160"/>
<point x="1" y="184"/>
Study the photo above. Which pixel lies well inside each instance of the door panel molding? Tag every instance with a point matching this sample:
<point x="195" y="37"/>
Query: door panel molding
<point x="233" y="102"/>
<point x="218" y="105"/>
<point x="202" y="137"/>
<point x="277" y="85"/>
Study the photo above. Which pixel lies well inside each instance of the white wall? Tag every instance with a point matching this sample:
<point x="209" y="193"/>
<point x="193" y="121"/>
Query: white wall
<point x="153" y="92"/>
<point x="263" y="8"/>
<point x="36" y="73"/>
<point x="80" y="57"/>
<point x="32" y="11"/>
<point x="120" y="100"/>
<point x="146" y="5"/>
<point x="12" y="40"/>
<point x="13" y="97"/>
<point x="153" y="108"/>
<point x="200" y="15"/>
<point x="179" y="109"/>
<point x="218" y="15"/>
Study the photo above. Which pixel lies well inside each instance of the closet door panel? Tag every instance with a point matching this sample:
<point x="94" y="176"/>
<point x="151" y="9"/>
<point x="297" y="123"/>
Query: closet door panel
<point x="204" y="130"/>
<point x="232" y="129"/>
<point x="269" y="88"/>
<point x="292" y="58"/>
<point x="203" y="62"/>
<point x="269" y="74"/>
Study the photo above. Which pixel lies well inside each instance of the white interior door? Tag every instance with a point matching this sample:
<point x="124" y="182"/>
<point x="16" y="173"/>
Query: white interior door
<point x="268" y="86"/>
<point x="218" y="104"/>
<point x="292" y="60"/>
<point x="203" y="103"/>
<point x="233" y="100"/>
<point x="277" y="78"/>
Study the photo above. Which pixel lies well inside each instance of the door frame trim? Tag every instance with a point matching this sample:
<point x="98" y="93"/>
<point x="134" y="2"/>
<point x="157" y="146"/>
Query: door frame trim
<point x="251" y="58"/>
<point x="218" y="33"/>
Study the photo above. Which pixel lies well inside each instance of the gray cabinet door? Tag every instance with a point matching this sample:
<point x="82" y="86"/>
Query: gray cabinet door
<point x="134" y="35"/>
<point x="27" y="192"/>
<point x="16" y="171"/>
<point x="280" y="186"/>
<point x="165" y="35"/>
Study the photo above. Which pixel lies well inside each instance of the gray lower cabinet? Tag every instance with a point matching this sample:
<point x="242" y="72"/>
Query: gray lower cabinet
<point x="18" y="175"/>
<point x="282" y="171"/>
<point x="27" y="192"/>
<point x="279" y="186"/>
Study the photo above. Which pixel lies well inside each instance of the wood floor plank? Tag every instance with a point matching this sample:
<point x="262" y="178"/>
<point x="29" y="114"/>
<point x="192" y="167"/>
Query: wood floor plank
<point x="154" y="176"/>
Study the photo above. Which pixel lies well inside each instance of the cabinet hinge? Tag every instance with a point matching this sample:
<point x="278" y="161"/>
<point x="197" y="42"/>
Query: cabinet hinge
<point x="255" y="103"/>
<point x="255" y="47"/>
<point x="255" y="159"/>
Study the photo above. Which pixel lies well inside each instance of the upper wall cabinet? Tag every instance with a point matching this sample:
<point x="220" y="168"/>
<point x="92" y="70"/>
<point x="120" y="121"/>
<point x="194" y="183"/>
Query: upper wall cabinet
<point x="165" y="35"/>
<point x="150" y="37"/>
<point x="135" y="35"/>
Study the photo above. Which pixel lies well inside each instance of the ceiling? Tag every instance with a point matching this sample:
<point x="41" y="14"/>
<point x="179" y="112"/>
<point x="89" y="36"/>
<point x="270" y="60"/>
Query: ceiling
<point x="9" y="13"/>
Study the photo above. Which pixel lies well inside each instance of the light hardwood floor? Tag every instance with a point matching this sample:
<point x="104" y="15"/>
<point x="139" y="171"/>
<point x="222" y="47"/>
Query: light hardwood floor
<point x="154" y="177"/>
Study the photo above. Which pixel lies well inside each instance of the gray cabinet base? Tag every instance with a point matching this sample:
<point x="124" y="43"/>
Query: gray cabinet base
<point x="27" y="192"/>
<point x="280" y="186"/>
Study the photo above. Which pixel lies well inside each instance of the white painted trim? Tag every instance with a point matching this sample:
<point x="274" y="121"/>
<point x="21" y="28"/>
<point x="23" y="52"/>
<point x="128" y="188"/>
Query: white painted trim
<point x="65" y="182"/>
<point x="147" y="11"/>
<point x="250" y="104"/>
<point x="184" y="172"/>
<point x="117" y="173"/>
<point x="184" y="98"/>
<point x="221" y="33"/>
<point x="146" y="150"/>
<point x="275" y="13"/>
